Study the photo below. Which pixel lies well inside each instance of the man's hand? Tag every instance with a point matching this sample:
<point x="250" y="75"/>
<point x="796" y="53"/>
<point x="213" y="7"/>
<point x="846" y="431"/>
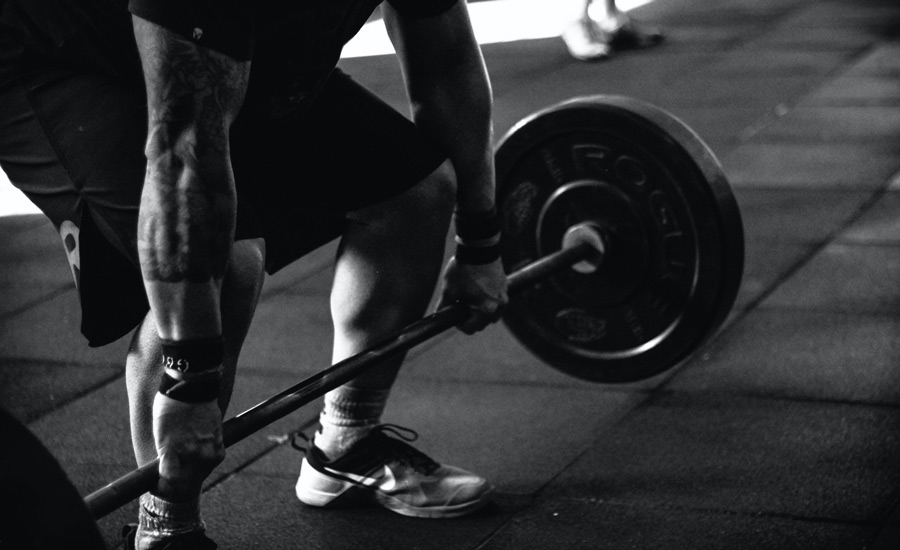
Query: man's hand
<point x="189" y="443"/>
<point x="481" y="287"/>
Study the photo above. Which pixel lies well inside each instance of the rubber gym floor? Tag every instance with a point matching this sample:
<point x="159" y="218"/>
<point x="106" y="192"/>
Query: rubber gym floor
<point x="782" y="432"/>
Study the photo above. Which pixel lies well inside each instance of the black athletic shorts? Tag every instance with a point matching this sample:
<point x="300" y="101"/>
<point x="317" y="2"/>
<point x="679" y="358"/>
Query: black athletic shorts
<point x="74" y="143"/>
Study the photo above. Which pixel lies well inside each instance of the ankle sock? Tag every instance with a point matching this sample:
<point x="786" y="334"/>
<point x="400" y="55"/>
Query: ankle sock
<point x="159" y="520"/>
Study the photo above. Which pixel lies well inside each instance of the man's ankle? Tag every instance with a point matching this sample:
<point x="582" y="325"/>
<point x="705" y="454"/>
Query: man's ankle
<point x="160" y="520"/>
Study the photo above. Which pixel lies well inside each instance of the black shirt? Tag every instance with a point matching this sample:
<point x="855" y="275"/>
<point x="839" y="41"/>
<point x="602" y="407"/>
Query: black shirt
<point x="293" y="44"/>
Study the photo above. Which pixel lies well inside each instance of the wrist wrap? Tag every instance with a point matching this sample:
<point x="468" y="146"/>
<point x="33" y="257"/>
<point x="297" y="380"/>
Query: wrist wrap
<point x="193" y="369"/>
<point x="477" y="226"/>
<point x="477" y="237"/>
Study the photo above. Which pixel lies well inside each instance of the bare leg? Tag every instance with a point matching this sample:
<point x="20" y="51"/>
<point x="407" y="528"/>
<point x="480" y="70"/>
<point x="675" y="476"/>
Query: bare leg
<point x="387" y="268"/>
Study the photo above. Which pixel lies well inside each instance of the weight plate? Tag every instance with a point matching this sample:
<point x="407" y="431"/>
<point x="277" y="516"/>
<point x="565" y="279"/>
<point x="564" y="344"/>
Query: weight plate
<point x="672" y="231"/>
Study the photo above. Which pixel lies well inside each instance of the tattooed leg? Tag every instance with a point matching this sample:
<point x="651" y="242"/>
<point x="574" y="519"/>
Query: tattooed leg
<point x="185" y="233"/>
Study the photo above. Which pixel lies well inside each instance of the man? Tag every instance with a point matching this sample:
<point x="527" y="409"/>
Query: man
<point x="602" y="27"/>
<point x="255" y="151"/>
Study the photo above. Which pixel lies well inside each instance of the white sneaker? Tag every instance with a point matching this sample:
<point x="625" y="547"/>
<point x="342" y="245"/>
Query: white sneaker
<point x="386" y="470"/>
<point x="585" y="41"/>
<point x="593" y="40"/>
<point x="626" y="33"/>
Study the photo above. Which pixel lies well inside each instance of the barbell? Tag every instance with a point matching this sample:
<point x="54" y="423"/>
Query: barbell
<point x="670" y="225"/>
<point x="624" y="246"/>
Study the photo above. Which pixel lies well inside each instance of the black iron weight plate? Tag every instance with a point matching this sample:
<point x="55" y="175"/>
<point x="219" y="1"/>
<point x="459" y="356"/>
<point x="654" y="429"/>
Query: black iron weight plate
<point x="661" y="201"/>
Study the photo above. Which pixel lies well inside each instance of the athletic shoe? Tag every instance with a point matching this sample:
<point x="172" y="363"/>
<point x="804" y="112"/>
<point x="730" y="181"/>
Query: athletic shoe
<point x="590" y="40"/>
<point x="384" y="469"/>
<point x="191" y="541"/>
<point x="585" y="41"/>
<point x="631" y="34"/>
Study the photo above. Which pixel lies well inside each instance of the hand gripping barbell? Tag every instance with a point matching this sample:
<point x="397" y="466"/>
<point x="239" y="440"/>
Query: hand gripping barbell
<point x="624" y="243"/>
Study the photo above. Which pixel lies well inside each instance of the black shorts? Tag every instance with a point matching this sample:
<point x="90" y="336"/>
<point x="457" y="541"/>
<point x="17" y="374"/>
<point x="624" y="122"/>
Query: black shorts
<point x="74" y="144"/>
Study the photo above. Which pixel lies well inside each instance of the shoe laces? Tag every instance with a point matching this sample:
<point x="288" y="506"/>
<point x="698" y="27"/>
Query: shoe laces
<point x="393" y="441"/>
<point x="390" y="441"/>
<point x="302" y="447"/>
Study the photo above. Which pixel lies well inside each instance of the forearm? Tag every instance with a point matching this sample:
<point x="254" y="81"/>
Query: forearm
<point x="455" y="109"/>
<point x="186" y="220"/>
<point x="450" y="94"/>
<point x="185" y="228"/>
<point x="187" y="214"/>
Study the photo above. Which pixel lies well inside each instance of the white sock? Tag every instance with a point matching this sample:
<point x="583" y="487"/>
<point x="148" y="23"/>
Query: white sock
<point x="160" y="519"/>
<point x="349" y="415"/>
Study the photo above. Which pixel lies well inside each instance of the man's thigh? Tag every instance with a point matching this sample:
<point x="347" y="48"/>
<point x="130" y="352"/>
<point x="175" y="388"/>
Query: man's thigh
<point x="351" y="150"/>
<point x="74" y="144"/>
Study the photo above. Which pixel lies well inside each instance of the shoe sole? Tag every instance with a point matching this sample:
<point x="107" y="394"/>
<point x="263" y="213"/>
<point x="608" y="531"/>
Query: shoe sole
<point x="325" y="491"/>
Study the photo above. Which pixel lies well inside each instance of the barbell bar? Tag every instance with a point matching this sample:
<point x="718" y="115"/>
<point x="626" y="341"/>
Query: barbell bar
<point x="620" y="191"/>
<point x="132" y="485"/>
